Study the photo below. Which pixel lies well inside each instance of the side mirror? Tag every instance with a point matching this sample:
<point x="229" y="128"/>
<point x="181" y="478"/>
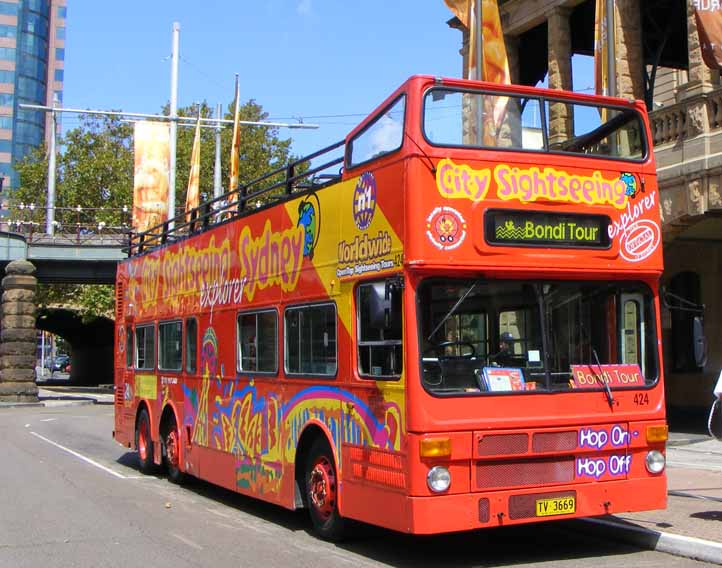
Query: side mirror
<point x="699" y="342"/>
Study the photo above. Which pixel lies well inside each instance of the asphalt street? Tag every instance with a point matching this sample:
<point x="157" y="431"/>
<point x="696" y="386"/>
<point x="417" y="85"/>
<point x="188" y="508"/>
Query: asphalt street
<point x="71" y="496"/>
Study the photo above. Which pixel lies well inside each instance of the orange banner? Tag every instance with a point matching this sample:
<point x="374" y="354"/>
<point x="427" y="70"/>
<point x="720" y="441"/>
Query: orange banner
<point x="495" y="66"/>
<point x="193" y="193"/>
<point x="709" y="28"/>
<point x="150" y="182"/>
<point x="235" y="145"/>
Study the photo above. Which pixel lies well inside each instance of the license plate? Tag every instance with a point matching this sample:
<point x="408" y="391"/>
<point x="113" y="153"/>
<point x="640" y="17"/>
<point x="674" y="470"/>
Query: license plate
<point x="556" y="506"/>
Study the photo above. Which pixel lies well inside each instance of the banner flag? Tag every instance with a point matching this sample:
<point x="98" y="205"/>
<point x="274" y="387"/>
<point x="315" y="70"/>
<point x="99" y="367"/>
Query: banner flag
<point x="495" y="68"/>
<point x="235" y="146"/>
<point x="150" y="175"/>
<point x="709" y="28"/>
<point x="193" y="193"/>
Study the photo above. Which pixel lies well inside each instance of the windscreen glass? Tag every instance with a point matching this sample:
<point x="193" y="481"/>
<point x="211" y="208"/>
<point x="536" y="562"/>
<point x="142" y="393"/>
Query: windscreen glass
<point x="493" y="336"/>
<point x="477" y="119"/>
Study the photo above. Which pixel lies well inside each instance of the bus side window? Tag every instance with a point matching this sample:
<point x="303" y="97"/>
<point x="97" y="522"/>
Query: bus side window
<point x="257" y="342"/>
<point x="170" y="354"/>
<point x="379" y="316"/>
<point x="129" y="347"/>
<point x="145" y="347"/>
<point x="191" y="345"/>
<point x="311" y="340"/>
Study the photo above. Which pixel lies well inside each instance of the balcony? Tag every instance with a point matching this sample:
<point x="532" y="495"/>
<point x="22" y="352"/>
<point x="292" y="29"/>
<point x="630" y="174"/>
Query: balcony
<point x="687" y="137"/>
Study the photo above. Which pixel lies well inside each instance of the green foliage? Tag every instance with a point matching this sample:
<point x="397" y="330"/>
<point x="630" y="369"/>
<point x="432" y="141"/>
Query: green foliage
<point x="95" y="173"/>
<point x="91" y="301"/>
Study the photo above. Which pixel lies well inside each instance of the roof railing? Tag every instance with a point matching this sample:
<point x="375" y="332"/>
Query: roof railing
<point x="294" y="178"/>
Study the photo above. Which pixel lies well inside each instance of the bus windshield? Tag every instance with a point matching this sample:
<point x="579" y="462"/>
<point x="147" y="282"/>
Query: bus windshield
<point x="531" y="123"/>
<point x="540" y="332"/>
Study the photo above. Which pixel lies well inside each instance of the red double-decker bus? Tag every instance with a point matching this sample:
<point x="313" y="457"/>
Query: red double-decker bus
<point x="449" y="320"/>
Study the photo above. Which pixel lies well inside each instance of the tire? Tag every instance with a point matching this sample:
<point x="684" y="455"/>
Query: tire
<point x="321" y="492"/>
<point x="144" y="443"/>
<point x="172" y="451"/>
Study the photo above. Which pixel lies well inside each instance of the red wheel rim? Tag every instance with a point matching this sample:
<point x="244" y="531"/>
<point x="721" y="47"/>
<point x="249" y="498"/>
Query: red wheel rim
<point x="143" y="439"/>
<point x="172" y="447"/>
<point x="322" y="487"/>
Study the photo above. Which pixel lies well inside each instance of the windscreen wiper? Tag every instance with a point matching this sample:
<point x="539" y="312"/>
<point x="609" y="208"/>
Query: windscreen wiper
<point x="453" y="309"/>
<point x="607" y="390"/>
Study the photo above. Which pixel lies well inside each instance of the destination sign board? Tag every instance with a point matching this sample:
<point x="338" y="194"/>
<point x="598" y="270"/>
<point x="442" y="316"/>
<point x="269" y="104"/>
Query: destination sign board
<point x="537" y="228"/>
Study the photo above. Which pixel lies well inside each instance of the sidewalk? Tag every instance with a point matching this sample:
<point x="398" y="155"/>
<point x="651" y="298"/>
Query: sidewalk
<point x="691" y="525"/>
<point x="60" y="395"/>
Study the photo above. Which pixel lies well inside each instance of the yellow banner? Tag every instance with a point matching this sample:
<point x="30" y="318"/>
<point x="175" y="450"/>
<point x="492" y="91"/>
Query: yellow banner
<point x="193" y="193"/>
<point x="150" y="181"/>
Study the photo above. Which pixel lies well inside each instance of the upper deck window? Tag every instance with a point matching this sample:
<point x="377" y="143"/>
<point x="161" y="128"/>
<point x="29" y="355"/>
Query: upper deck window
<point x="476" y="119"/>
<point x="383" y="135"/>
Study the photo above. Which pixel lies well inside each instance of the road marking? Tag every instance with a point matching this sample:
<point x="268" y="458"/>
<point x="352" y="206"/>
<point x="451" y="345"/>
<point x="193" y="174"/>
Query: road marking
<point x="187" y="541"/>
<point x="80" y="456"/>
<point x="48" y="420"/>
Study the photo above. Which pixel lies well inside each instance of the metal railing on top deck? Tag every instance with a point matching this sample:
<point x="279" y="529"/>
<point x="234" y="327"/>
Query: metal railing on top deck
<point x="276" y="186"/>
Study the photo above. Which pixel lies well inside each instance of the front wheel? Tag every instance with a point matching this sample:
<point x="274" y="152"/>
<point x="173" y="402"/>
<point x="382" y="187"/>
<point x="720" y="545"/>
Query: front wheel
<point x="322" y="492"/>
<point x="144" y="443"/>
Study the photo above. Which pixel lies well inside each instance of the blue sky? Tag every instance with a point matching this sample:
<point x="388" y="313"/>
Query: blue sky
<point x="298" y="58"/>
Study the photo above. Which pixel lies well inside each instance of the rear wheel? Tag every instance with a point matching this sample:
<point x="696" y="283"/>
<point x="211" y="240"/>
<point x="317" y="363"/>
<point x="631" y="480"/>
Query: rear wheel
<point x="322" y="492"/>
<point x="172" y="451"/>
<point x="144" y="442"/>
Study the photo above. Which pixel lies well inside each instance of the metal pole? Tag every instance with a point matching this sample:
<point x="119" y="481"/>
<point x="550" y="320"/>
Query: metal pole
<point x="50" y="205"/>
<point x="173" y="123"/>
<point x="612" y="64"/>
<point x="217" y="185"/>
<point x="479" y="40"/>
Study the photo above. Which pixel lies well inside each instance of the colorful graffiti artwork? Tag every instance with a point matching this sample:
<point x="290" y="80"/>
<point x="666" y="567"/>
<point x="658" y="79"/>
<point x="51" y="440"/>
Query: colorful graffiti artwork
<point x="262" y="431"/>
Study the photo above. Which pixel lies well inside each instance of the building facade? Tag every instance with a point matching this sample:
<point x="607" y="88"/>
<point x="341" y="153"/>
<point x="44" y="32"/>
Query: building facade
<point x="32" y="54"/>
<point x="659" y="60"/>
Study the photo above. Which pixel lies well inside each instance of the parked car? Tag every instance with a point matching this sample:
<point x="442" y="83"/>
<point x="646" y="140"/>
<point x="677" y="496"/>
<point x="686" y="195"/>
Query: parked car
<point x="60" y="363"/>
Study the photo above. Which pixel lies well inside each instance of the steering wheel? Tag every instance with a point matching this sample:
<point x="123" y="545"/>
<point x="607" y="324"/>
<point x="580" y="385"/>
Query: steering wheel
<point x="444" y="344"/>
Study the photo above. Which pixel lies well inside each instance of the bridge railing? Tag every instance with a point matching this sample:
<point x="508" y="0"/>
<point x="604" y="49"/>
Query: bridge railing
<point x="77" y="226"/>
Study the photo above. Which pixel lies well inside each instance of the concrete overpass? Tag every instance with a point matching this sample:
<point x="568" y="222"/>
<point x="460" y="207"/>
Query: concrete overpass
<point x="61" y="258"/>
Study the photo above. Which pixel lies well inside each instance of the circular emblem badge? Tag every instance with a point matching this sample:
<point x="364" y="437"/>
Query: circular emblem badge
<point x="364" y="201"/>
<point x="445" y="228"/>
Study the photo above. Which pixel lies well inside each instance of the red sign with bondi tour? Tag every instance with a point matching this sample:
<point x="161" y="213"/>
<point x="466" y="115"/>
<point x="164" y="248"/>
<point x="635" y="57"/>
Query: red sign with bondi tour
<point x="595" y="376"/>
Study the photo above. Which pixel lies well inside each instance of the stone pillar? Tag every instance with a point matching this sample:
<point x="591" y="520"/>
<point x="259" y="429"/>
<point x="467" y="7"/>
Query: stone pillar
<point x="18" y="343"/>
<point x="700" y="76"/>
<point x="560" y="73"/>
<point x="628" y="39"/>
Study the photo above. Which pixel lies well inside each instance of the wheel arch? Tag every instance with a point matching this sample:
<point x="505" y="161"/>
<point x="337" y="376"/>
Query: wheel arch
<point x="312" y="431"/>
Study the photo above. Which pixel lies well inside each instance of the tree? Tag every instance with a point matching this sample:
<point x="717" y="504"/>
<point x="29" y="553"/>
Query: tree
<point x="95" y="173"/>
<point x="261" y="149"/>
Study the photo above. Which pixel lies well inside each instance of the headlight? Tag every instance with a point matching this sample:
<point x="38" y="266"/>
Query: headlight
<point x="438" y="479"/>
<point x="655" y="461"/>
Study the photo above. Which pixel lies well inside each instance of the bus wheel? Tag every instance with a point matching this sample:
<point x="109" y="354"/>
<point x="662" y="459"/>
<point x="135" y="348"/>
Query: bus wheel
<point x="172" y="447"/>
<point x="322" y="492"/>
<point x="144" y="442"/>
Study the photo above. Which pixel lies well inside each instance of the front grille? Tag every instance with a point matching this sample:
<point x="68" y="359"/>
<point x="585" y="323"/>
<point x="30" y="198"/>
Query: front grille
<point x="554" y="441"/>
<point x="503" y="444"/>
<point x="524" y="506"/>
<point x="519" y="473"/>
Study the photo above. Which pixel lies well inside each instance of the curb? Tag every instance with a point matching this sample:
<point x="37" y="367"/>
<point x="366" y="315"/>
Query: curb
<point x="678" y="545"/>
